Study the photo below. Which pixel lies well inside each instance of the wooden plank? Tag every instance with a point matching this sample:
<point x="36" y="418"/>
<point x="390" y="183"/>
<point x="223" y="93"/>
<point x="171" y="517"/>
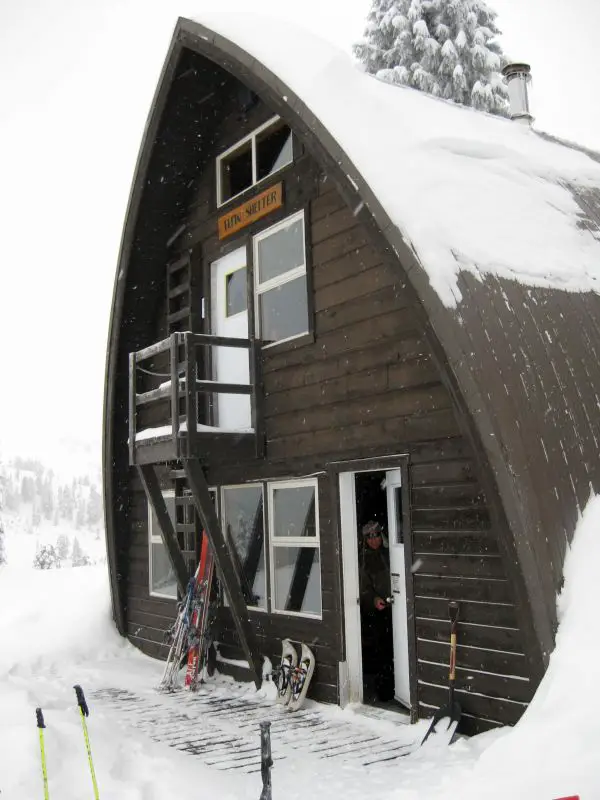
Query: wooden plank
<point x="225" y="564"/>
<point x="351" y="386"/>
<point x="461" y="566"/>
<point x="451" y="518"/>
<point x="499" y="662"/>
<point x="442" y="472"/>
<point x="453" y="588"/>
<point x="353" y="263"/>
<point x="469" y="725"/>
<point x="497" y="709"/>
<point x="368" y="438"/>
<point x="462" y="493"/>
<point x="455" y="543"/>
<point x="342" y="412"/>
<point x="470" y="680"/>
<point x="153" y="349"/>
<point x="358" y="286"/>
<point x="495" y="614"/>
<point x="484" y="636"/>
<point x="168" y="535"/>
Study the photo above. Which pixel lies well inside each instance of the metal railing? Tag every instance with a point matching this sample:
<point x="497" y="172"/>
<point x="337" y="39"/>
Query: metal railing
<point x="182" y="387"/>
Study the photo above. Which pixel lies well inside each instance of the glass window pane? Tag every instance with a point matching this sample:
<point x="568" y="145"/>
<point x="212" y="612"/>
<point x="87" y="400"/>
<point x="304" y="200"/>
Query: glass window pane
<point x="163" y="578"/>
<point x="243" y="525"/>
<point x="297" y="579"/>
<point x="281" y="251"/>
<point x="294" y="511"/>
<point x="284" y="311"/>
<point x="236" y="292"/>
<point x="236" y="171"/>
<point x="273" y="150"/>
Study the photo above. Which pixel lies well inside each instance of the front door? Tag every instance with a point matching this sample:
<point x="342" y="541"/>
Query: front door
<point x="229" y="317"/>
<point x="398" y="585"/>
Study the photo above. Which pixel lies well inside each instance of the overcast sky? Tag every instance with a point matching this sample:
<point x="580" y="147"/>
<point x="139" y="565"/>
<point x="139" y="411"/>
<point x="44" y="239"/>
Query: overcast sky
<point x="76" y="81"/>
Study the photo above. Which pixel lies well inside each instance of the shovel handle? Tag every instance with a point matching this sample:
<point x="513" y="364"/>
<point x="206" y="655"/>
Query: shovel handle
<point x="453" y="614"/>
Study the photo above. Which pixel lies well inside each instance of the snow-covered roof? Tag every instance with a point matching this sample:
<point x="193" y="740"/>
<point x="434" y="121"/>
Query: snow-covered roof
<point x="468" y="191"/>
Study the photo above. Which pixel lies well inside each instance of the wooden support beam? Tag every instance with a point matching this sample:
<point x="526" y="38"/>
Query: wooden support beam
<point x="169" y="537"/>
<point x="227" y="567"/>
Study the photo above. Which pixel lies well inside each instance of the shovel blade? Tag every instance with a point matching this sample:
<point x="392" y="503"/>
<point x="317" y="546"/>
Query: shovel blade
<point x="444" y="722"/>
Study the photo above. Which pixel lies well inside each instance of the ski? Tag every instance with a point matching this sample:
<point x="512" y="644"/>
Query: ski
<point x="301" y="677"/>
<point x="283" y="674"/>
<point x="199" y="639"/>
<point x="178" y="636"/>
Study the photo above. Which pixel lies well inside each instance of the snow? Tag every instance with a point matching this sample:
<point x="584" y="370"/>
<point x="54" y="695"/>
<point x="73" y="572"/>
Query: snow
<point x="468" y="191"/>
<point x="56" y="631"/>
<point x="167" y="430"/>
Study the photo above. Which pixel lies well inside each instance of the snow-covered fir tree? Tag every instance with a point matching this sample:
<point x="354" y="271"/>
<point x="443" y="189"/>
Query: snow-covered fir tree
<point x="448" y="48"/>
<point x="78" y="557"/>
<point x="46" y="558"/>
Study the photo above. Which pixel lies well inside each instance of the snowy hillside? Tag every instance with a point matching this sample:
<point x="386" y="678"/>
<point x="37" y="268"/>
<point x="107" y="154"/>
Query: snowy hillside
<point x="56" y="631"/>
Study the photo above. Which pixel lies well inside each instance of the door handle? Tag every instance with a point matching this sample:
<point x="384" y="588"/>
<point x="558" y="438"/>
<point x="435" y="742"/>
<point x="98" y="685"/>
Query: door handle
<point x="390" y="600"/>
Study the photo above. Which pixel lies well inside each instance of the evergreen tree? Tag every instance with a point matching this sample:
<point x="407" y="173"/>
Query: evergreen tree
<point x="78" y="557"/>
<point x="447" y="48"/>
<point x="94" y="507"/>
<point x="63" y="546"/>
<point x="46" y="558"/>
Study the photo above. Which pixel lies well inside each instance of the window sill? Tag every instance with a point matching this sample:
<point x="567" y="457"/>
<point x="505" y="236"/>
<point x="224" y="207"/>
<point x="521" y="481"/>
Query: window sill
<point x="290" y="344"/>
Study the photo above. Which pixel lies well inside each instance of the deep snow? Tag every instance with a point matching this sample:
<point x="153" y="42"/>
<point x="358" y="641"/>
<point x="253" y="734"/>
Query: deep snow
<point x="56" y="630"/>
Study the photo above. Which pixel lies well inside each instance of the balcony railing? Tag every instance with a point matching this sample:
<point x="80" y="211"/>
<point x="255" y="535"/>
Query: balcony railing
<point x="182" y="386"/>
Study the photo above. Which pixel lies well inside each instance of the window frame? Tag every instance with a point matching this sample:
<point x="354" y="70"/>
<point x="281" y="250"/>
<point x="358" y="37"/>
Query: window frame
<point x="252" y="485"/>
<point x="279" y="280"/>
<point x="293" y="541"/>
<point x="251" y="137"/>
<point x="156" y="538"/>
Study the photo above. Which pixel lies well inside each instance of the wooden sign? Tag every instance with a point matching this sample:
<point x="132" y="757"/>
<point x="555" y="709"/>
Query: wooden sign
<point x="253" y="209"/>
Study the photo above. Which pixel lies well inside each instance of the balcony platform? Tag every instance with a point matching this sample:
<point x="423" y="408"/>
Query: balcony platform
<point x="156" y="445"/>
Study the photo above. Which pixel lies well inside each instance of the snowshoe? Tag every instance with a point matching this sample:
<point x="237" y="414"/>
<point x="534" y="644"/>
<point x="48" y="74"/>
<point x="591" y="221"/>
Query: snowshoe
<point x="283" y="674"/>
<point x="300" y="678"/>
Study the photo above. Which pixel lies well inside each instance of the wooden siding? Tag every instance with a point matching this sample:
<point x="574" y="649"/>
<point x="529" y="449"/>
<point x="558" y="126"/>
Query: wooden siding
<point x="364" y="383"/>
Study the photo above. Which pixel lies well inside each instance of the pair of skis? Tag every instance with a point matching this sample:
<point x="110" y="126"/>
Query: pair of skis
<point x="190" y="636"/>
<point x="292" y="677"/>
<point x="83" y="713"/>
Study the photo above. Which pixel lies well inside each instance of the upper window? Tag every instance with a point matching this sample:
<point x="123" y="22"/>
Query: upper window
<point x="162" y="581"/>
<point x="280" y="281"/>
<point x="265" y="151"/>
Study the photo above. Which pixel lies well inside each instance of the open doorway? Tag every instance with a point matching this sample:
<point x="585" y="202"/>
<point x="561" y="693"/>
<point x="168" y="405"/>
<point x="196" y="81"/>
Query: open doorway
<point x="375" y="588"/>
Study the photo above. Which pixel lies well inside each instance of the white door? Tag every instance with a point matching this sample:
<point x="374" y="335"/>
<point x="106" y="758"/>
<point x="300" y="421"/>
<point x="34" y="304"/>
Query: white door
<point x="229" y="317"/>
<point x="398" y="581"/>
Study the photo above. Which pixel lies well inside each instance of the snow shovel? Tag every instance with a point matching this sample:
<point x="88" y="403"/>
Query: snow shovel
<point x="446" y="718"/>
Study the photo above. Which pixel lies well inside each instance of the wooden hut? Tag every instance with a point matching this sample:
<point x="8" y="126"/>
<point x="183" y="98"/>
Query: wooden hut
<point x="337" y="301"/>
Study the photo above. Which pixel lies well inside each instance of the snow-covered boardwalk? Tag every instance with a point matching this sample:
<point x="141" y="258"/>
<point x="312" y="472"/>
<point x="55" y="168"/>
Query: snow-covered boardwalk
<point x="220" y="725"/>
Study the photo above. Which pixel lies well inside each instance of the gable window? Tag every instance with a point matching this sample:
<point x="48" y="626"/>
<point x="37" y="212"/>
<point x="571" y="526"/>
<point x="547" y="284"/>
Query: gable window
<point x="295" y="547"/>
<point x="280" y="281"/>
<point x="254" y="158"/>
<point x="162" y="581"/>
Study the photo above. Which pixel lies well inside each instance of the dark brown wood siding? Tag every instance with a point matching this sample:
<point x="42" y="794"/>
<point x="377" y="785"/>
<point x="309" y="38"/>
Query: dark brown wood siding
<point x="364" y="383"/>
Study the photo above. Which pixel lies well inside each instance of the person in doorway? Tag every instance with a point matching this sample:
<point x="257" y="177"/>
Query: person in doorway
<point x="376" y="612"/>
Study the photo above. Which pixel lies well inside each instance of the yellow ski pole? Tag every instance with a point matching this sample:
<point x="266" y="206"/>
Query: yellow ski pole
<point x="84" y="712"/>
<point x="41" y="725"/>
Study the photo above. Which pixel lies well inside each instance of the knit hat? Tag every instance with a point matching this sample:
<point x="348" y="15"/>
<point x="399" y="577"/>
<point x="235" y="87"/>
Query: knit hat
<point x="371" y="528"/>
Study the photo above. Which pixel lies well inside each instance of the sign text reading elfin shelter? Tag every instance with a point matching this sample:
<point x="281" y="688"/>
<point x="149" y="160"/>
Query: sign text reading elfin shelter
<point x="259" y="206"/>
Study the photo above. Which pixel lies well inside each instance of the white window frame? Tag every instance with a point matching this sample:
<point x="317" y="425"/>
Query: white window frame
<point x="251" y="137"/>
<point x="259" y="609"/>
<point x="292" y="541"/>
<point x="156" y="538"/>
<point x="279" y="280"/>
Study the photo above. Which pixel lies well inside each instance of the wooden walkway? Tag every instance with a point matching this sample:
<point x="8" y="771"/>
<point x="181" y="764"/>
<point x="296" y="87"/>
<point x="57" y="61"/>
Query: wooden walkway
<point x="220" y="724"/>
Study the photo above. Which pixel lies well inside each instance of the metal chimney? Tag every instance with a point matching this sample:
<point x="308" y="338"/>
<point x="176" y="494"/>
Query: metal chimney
<point x="517" y="78"/>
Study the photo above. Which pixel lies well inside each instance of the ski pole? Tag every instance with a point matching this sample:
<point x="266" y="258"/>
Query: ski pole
<point x="41" y="725"/>
<point x="85" y="712"/>
<point x="266" y="761"/>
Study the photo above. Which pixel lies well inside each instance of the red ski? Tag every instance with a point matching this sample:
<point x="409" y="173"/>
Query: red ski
<point x="198" y="638"/>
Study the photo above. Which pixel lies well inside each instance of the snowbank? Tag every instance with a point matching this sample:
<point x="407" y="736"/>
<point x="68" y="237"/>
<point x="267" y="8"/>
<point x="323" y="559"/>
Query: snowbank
<point x="468" y="191"/>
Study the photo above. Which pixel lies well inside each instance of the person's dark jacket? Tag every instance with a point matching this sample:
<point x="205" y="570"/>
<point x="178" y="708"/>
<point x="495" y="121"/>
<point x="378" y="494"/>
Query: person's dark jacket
<point x="374" y="576"/>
